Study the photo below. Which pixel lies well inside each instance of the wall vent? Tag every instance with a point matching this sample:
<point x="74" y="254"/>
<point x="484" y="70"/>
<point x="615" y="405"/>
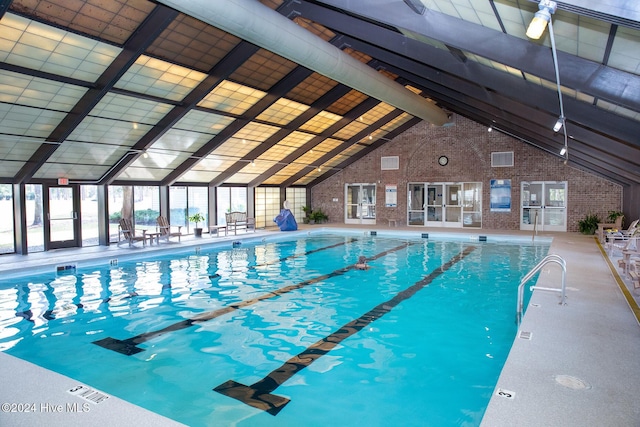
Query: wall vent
<point x="502" y="159"/>
<point x="389" y="163"/>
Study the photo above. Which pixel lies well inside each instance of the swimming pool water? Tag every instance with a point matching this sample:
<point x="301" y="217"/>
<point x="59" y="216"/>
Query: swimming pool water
<point x="284" y="333"/>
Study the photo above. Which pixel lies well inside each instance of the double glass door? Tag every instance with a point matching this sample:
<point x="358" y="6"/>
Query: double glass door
<point x="360" y="204"/>
<point x="544" y="206"/>
<point x="445" y="204"/>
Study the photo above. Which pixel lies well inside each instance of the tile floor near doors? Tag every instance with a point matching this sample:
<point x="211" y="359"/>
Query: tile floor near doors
<point x="580" y="365"/>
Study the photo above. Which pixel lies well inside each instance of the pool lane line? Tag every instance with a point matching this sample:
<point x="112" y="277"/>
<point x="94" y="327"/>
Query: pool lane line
<point x="259" y="394"/>
<point x="129" y="346"/>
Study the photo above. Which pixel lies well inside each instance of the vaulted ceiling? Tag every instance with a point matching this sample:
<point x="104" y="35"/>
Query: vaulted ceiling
<point x="106" y="91"/>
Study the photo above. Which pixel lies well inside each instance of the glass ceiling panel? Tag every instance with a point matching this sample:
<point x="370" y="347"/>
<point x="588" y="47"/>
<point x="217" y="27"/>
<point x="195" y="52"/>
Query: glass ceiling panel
<point x="312" y="88"/>
<point x="35" y="92"/>
<point x="309" y="158"/>
<point x="347" y="103"/>
<point x="232" y="98"/>
<point x="282" y="112"/>
<point x="71" y="171"/>
<point x="625" y="52"/>
<point x="592" y="39"/>
<point x="320" y="122"/>
<point x="199" y="176"/>
<point x="36" y="122"/>
<point x="236" y="148"/>
<point x="114" y="20"/>
<point x="163" y="79"/>
<point x="81" y="153"/>
<point x="245" y="140"/>
<point x="96" y="129"/>
<point x="130" y="109"/>
<point x="376" y="113"/>
<point x="17" y="148"/>
<point x="286" y="146"/>
<point x="317" y="29"/>
<point x="161" y="160"/>
<point x="350" y="130"/>
<point x="40" y="47"/>
<point x="214" y="163"/>
<point x="241" y="179"/>
<point x="397" y="122"/>
<point x="255" y="168"/>
<point x="327" y="145"/>
<point x="181" y="140"/>
<point x="263" y="70"/>
<point x="143" y="174"/>
<point x="204" y="122"/>
<point x="9" y="168"/>
<point x="181" y="43"/>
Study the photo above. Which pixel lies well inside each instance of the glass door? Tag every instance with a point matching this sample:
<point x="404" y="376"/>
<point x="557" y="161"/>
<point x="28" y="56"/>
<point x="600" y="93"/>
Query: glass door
<point x="453" y="206"/>
<point x="544" y="206"/>
<point x="555" y="206"/>
<point x="63" y="221"/>
<point x="360" y="204"/>
<point x="416" y="203"/>
<point x="435" y="204"/>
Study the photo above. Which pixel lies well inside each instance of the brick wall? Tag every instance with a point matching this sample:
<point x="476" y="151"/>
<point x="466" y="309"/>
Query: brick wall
<point x="468" y="146"/>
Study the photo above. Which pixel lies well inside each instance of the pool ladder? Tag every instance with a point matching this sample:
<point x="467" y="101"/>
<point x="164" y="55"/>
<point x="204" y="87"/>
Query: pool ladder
<point x="553" y="258"/>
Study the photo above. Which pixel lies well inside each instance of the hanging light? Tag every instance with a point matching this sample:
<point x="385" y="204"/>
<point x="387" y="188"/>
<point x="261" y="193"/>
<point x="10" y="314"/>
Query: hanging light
<point x="538" y="24"/>
<point x="558" y="124"/>
<point x="490" y="128"/>
<point x="541" y="18"/>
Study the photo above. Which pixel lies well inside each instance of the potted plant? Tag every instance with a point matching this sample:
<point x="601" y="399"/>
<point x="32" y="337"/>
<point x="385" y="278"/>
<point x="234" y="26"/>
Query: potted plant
<point x="613" y="216"/>
<point x="307" y="214"/>
<point x="197" y="218"/>
<point x="589" y="224"/>
<point x="318" y="216"/>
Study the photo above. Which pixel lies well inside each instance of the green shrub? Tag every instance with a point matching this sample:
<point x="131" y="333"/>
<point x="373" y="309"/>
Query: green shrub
<point x="589" y="224"/>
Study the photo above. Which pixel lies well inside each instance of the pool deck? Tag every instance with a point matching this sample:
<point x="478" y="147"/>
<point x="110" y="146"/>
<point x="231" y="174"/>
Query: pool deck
<point x="571" y="365"/>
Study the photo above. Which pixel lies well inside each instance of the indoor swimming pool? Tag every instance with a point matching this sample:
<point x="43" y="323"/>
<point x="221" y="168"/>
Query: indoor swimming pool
<point x="284" y="332"/>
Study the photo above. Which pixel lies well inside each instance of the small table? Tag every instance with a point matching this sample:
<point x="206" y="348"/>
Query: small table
<point x="156" y="235"/>
<point x="217" y="229"/>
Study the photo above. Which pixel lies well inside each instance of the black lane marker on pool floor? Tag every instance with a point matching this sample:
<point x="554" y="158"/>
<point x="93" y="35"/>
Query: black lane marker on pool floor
<point x="130" y="347"/>
<point x="259" y="394"/>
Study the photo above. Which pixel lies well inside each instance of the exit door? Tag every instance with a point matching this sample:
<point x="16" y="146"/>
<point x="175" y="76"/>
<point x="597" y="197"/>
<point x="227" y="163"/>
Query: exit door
<point x="63" y="218"/>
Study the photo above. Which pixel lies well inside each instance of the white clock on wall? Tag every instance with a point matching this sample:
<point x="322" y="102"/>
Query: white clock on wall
<point x="443" y="160"/>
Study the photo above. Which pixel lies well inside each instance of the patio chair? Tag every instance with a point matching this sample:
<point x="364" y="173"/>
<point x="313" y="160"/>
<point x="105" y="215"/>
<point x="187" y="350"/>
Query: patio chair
<point x="126" y="233"/>
<point x="164" y="228"/>
<point x="631" y="230"/>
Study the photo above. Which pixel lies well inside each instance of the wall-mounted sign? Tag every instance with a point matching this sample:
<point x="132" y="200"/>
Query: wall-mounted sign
<point x="391" y="196"/>
<point x="500" y="195"/>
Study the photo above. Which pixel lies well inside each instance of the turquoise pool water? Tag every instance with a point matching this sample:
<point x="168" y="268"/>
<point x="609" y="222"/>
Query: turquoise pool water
<point x="284" y="333"/>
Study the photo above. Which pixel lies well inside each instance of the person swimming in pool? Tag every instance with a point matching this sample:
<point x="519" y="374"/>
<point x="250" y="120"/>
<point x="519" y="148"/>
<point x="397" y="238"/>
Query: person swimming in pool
<point x="362" y="263"/>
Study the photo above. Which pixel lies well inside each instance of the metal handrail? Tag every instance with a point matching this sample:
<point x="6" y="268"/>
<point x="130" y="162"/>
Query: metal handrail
<point x="546" y="260"/>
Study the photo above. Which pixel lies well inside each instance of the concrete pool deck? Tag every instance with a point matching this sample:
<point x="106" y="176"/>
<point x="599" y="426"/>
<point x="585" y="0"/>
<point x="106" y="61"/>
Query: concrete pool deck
<point x="580" y="367"/>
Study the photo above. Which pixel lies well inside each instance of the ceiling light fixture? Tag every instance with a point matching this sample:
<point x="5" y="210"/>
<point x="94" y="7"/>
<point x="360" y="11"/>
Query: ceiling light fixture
<point x="540" y="20"/>
<point x="558" y="124"/>
<point x="490" y="128"/>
